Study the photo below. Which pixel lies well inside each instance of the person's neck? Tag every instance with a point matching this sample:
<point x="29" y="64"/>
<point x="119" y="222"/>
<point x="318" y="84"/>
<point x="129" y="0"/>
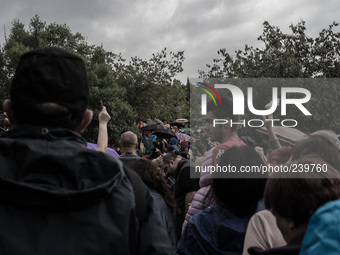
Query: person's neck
<point x="297" y="231"/>
<point x="128" y="151"/>
<point x="230" y="135"/>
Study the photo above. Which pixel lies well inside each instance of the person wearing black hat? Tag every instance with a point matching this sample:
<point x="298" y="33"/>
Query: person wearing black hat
<point x="57" y="196"/>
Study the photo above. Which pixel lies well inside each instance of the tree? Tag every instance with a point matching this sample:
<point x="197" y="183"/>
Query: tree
<point x="294" y="55"/>
<point x="104" y="90"/>
<point x="38" y="35"/>
<point x="152" y="90"/>
<point x="283" y="55"/>
<point x="132" y="91"/>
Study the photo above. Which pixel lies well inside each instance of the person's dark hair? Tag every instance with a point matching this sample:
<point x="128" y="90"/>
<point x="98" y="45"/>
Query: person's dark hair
<point x="183" y="154"/>
<point x="240" y="195"/>
<point x="168" y="157"/>
<point x="319" y="145"/>
<point x="298" y="195"/>
<point x="51" y="115"/>
<point x="154" y="179"/>
<point x="171" y="149"/>
<point x="224" y="111"/>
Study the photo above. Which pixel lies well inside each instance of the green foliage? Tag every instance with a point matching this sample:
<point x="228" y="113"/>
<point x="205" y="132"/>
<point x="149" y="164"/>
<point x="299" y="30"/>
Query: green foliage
<point x="152" y="91"/>
<point x="133" y="91"/>
<point x="282" y="55"/>
<point x="293" y="55"/>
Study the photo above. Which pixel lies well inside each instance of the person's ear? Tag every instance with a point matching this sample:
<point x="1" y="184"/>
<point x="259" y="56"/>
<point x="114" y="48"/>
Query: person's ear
<point x="87" y="118"/>
<point x="172" y="163"/>
<point x="7" y="106"/>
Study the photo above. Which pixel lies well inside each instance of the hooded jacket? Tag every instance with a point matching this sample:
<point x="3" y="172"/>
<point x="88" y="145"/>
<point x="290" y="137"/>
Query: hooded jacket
<point x="213" y="230"/>
<point x="203" y="197"/>
<point x="173" y="143"/>
<point x="323" y="233"/>
<point x="58" y="197"/>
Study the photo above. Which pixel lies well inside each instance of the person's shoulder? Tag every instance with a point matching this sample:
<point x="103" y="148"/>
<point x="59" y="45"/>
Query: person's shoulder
<point x="263" y="215"/>
<point x="155" y="194"/>
<point x="128" y="159"/>
<point x="221" y="148"/>
<point x="230" y="143"/>
<point x="332" y="207"/>
<point x="263" y="221"/>
<point x="203" y="219"/>
<point x="159" y="200"/>
<point x="323" y="228"/>
<point x="101" y="158"/>
<point x="185" y="164"/>
<point x="207" y="212"/>
<point x="129" y="156"/>
<point x="185" y="168"/>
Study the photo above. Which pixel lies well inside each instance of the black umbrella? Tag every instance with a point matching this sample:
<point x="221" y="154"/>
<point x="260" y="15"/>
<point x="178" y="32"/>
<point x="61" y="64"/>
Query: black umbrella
<point x="152" y="127"/>
<point x="165" y="133"/>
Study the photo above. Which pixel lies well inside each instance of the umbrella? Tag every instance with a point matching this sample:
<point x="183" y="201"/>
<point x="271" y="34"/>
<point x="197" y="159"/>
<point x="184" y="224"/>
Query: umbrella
<point x="165" y="133"/>
<point x="286" y="134"/>
<point x="182" y="136"/>
<point x="152" y="127"/>
<point x="111" y="151"/>
<point x="187" y="131"/>
<point x="182" y="121"/>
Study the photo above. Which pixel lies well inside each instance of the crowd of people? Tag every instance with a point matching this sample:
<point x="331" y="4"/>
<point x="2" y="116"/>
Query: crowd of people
<point x="59" y="196"/>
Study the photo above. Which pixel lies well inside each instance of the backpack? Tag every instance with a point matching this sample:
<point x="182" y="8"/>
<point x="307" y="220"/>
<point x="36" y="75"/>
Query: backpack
<point x="139" y="191"/>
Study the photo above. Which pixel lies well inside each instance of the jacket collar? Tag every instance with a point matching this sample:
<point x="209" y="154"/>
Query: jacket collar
<point x="44" y="133"/>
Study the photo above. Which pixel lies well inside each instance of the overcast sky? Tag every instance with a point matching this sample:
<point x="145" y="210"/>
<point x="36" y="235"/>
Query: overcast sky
<point x="199" y="27"/>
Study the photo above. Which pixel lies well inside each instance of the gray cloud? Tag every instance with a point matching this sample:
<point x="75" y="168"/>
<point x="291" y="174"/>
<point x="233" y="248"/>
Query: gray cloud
<point x="199" y="27"/>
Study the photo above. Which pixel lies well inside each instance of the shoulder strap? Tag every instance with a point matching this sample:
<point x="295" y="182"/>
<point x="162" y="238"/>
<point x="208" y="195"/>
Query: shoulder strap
<point x="139" y="191"/>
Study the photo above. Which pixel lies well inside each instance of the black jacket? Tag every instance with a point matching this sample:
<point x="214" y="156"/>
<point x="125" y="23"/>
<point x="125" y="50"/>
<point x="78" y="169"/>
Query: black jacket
<point x="58" y="197"/>
<point x="184" y="184"/>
